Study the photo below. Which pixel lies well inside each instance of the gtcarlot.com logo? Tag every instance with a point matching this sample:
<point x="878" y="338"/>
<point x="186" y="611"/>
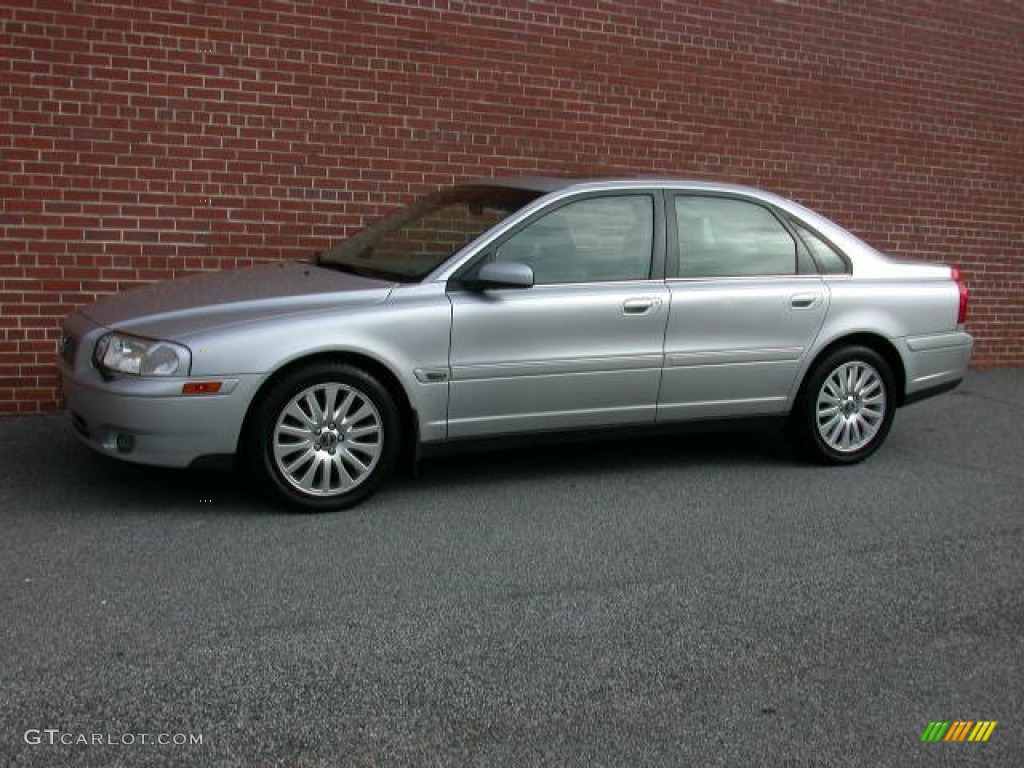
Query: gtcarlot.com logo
<point x="55" y="736"/>
<point x="958" y="730"/>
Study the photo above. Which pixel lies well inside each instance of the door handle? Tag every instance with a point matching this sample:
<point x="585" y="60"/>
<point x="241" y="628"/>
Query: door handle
<point x="640" y="306"/>
<point x="804" y="300"/>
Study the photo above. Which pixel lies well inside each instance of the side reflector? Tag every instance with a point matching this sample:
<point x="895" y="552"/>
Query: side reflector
<point x="965" y="295"/>
<point x="201" y="388"/>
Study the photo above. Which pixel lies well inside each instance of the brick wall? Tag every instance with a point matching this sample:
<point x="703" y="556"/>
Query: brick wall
<point x="146" y="140"/>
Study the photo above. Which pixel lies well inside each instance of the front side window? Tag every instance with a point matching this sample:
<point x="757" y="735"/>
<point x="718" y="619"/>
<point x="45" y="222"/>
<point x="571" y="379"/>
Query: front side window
<point x="594" y="239"/>
<point x="725" y="237"/>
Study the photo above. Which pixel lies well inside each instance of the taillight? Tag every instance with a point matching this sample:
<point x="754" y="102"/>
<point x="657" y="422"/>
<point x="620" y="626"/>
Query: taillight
<point x="965" y="295"/>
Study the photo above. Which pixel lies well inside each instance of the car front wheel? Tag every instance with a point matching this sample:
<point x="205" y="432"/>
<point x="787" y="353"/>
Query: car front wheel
<point x="328" y="436"/>
<point x="846" y="408"/>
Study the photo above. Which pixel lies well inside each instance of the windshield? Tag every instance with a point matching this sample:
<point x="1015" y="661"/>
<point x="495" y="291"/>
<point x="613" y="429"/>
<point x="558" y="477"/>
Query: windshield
<point x="412" y="242"/>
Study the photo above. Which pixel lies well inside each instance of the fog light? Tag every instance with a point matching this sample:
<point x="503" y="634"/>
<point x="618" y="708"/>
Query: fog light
<point x="125" y="443"/>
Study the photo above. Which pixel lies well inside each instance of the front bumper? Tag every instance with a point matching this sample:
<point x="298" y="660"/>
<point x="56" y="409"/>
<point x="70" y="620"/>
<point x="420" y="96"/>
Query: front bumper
<point x="141" y="421"/>
<point x="147" y="420"/>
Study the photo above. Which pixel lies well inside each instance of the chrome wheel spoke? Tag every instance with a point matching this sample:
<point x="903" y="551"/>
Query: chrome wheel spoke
<point x="352" y="458"/>
<point x="302" y="433"/>
<point x="343" y="408"/>
<point x="313" y="407"/>
<point x="326" y="463"/>
<point x="872" y="415"/>
<point x="844" y="434"/>
<point x="833" y="429"/>
<point x="294" y="465"/>
<point x="345" y="478"/>
<point x="360" y="415"/>
<point x="330" y="397"/>
<point x="827" y="409"/>
<point x="855" y="431"/>
<point x="306" y="480"/>
<point x="370" y="450"/>
<point x="295" y="412"/>
<point x="851" y="379"/>
<point x="863" y="376"/>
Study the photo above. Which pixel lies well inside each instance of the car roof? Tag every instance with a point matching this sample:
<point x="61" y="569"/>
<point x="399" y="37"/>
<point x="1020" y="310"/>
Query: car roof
<point x="548" y="184"/>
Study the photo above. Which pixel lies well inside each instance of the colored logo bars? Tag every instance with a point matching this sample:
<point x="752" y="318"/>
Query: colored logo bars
<point x="958" y="730"/>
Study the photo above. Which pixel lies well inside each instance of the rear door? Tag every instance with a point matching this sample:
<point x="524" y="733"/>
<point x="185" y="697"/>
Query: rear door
<point x="746" y="306"/>
<point x="583" y="346"/>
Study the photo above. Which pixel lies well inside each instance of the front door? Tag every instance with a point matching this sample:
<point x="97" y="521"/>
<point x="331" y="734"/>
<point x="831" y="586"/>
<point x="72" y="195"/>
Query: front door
<point x="582" y="347"/>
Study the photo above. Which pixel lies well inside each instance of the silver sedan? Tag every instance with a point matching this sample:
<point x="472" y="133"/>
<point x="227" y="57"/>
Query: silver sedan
<point x="512" y="307"/>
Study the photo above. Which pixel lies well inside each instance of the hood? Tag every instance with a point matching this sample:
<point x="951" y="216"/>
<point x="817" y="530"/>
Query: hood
<point x="176" y="308"/>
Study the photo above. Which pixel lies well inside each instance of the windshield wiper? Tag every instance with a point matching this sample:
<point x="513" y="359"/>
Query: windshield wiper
<point x="370" y="272"/>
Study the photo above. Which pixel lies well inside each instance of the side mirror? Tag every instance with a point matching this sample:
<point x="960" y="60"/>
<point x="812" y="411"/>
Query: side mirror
<point x="502" y="274"/>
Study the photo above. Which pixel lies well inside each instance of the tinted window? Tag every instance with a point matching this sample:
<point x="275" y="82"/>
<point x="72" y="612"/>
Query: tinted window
<point x="721" y="237"/>
<point x="600" y="238"/>
<point x="825" y="256"/>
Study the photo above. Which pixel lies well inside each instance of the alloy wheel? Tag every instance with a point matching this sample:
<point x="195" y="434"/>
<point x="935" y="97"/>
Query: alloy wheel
<point x="851" y="406"/>
<point x="327" y="439"/>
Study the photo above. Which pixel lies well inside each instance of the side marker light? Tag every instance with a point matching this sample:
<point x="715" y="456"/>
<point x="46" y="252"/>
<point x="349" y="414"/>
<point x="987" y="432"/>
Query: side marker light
<point x="201" y="387"/>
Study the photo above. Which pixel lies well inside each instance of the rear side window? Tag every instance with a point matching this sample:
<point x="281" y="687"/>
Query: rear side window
<point x="825" y="256"/>
<point x="725" y="237"/>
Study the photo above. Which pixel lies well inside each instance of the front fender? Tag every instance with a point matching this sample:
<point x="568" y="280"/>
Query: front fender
<point x="408" y="332"/>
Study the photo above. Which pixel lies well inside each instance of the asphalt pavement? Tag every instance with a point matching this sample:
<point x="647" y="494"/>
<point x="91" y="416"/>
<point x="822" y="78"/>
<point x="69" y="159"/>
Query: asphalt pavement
<point x="694" y="600"/>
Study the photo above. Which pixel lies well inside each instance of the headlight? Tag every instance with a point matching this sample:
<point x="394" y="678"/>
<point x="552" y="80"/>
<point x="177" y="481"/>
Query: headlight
<point x="142" y="357"/>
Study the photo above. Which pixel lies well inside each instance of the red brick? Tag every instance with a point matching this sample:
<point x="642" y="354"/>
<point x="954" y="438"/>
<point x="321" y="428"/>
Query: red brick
<point x="304" y="120"/>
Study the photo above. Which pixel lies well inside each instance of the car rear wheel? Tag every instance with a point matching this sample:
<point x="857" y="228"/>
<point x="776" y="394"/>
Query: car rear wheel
<point x="846" y="407"/>
<point x="328" y="436"/>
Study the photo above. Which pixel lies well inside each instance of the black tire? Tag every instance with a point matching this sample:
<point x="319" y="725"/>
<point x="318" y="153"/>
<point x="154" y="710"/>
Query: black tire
<point x="845" y="407"/>
<point x="326" y="436"/>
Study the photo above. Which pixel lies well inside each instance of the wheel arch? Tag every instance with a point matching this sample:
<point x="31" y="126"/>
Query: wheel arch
<point x="873" y="341"/>
<point x="388" y="379"/>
